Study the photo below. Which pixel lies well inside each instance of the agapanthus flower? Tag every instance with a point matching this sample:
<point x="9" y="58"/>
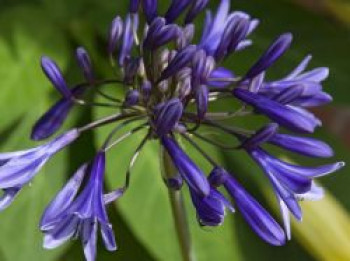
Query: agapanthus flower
<point x="69" y="215"/>
<point x="170" y="83"/>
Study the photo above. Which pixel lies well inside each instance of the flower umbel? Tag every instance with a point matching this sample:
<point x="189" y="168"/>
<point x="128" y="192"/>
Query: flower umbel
<point x="170" y="83"/>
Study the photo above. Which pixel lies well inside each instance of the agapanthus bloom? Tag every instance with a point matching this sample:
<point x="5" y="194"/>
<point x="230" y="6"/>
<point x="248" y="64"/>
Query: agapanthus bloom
<point x="170" y="82"/>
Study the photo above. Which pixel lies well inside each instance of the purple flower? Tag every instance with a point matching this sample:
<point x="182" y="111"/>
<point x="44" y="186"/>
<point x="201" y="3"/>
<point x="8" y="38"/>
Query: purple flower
<point x="132" y="98"/>
<point x="202" y="67"/>
<point x="235" y="32"/>
<point x="52" y="120"/>
<point x="166" y="116"/>
<point x="131" y="67"/>
<point x="146" y="90"/>
<point x="19" y="168"/>
<point x="115" y="33"/>
<point x="215" y="27"/>
<point x="310" y="81"/>
<point x="302" y="145"/>
<point x="272" y="54"/>
<point x="202" y="100"/>
<point x="159" y="34"/>
<point x="131" y="25"/>
<point x="181" y="59"/>
<point x="70" y="214"/>
<point x="261" y="136"/>
<point x="168" y="84"/>
<point x="290" y="180"/>
<point x="174" y="182"/>
<point x="211" y="209"/>
<point x="220" y="73"/>
<point x="150" y="9"/>
<point x="185" y="36"/>
<point x="84" y="62"/>
<point x="193" y="176"/>
<point x="293" y="118"/>
<point x="134" y="6"/>
<point x="196" y="7"/>
<point x="256" y="216"/>
<point x="315" y="193"/>
<point x="54" y="74"/>
<point x="175" y="9"/>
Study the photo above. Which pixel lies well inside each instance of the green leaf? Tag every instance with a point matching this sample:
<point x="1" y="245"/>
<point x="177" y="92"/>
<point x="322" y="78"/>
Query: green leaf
<point x="25" y="34"/>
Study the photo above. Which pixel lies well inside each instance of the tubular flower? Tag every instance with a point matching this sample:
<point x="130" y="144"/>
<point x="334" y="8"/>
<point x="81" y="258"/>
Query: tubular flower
<point x="69" y="215"/>
<point x="170" y="85"/>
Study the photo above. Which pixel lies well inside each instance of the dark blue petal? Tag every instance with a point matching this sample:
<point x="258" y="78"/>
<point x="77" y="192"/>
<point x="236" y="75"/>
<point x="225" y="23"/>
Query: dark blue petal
<point x="303" y="145"/>
<point x="132" y="98"/>
<point x="134" y="6"/>
<point x="115" y="34"/>
<point x="273" y="53"/>
<point x="235" y="31"/>
<point x="308" y="172"/>
<point x="185" y="36"/>
<point x="150" y="9"/>
<point x="167" y="115"/>
<point x="289" y="117"/>
<point x="196" y="7"/>
<point x="131" y="25"/>
<point x="220" y="73"/>
<point x="54" y="74"/>
<point x="202" y="66"/>
<point x="90" y="203"/>
<point x="175" y="182"/>
<point x="316" y="75"/>
<point x="167" y="34"/>
<point x="318" y="99"/>
<point x="146" y="89"/>
<point x="84" y="62"/>
<point x="89" y="238"/>
<point x="288" y="197"/>
<point x="210" y="209"/>
<point x="261" y="136"/>
<point x="289" y="95"/>
<point x="300" y="68"/>
<point x="53" y="119"/>
<point x="181" y="59"/>
<point x="63" y="199"/>
<point x="293" y="181"/>
<point x="217" y="177"/>
<point x="108" y="237"/>
<point x="175" y="9"/>
<point x="8" y="197"/>
<point x="64" y="230"/>
<point x="194" y="177"/>
<point x="257" y="217"/>
<point x="154" y="28"/>
<point x="113" y="196"/>
<point x="23" y="166"/>
<point x="202" y="100"/>
<point x="213" y="33"/>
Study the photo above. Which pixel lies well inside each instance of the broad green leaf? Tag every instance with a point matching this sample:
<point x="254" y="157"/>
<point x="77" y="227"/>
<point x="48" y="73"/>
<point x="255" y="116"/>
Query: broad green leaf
<point x="25" y="34"/>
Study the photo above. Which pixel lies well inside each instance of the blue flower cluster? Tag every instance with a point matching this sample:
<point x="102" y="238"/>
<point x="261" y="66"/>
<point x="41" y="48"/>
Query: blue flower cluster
<point x="170" y="83"/>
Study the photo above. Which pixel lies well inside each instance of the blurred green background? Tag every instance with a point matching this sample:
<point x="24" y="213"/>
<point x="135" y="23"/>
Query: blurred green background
<point x="142" y="219"/>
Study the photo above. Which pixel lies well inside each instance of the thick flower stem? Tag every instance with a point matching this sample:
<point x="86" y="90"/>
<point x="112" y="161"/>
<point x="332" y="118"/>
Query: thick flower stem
<point x="178" y="209"/>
